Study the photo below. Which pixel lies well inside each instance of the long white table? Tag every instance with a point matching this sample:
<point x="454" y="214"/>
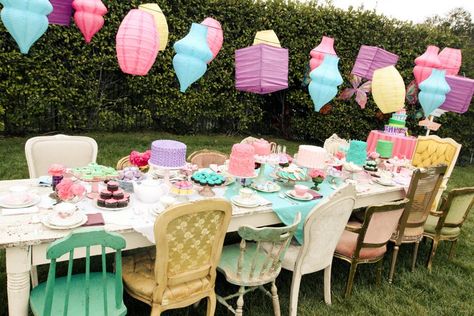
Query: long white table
<point x="26" y="242"/>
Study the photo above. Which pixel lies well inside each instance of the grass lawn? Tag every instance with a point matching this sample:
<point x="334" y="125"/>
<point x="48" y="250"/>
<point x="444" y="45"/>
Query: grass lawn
<point x="446" y="291"/>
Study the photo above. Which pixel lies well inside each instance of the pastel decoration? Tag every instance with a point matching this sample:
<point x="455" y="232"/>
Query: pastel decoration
<point x="317" y="54"/>
<point x="388" y="89"/>
<point x="268" y="37"/>
<point x="357" y="152"/>
<point x="25" y="20"/>
<point x="89" y="17"/>
<point x="450" y="59"/>
<point x="460" y="96"/>
<point x="324" y="81"/>
<point x="371" y="58"/>
<point x="433" y="91"/>
<point x="425" y="63"/>
<point x="192" y="56"/>
<point x="137" y="43"/>
<point x="62" y="12"/>
<point x="215" y="35"/>
<point x="160" y="23"/>
<point x="384" y="148"/>
<point x="261" y="69"/>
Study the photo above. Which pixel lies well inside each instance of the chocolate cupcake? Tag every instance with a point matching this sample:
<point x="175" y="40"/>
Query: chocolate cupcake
<point x="118" y="194"/>
<point x="126" y="196"/>
<point x="111" y="203"/>
<point x="101" y="202"/>
<point x="122" y="202"/>
<point x="112" y="186"/>
<point x="105" y="194"/>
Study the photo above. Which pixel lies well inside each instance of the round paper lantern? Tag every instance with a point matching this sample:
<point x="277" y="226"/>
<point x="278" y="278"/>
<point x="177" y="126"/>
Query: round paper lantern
<point x="425" y="63"/>
<point x="388" y="89"/>
<point x="89" y="17"/>
<point x="26" y="20"/>
<point x="433" y="91"/>
<point x="160" y="23"/>
<point x="317" y="54"/>
<point x="137" y="43"/>
<point x="268" y="37"/>
<point x="215" y="35"/>
<point x="192" y="56"/>
<point x="324" y="81"/>
<point x="450" y="59"/>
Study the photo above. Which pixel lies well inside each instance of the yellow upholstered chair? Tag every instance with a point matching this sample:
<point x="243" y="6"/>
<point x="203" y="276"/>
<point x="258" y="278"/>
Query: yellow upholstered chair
<point x="189" y="240"/>
<point x="204" y="158"/>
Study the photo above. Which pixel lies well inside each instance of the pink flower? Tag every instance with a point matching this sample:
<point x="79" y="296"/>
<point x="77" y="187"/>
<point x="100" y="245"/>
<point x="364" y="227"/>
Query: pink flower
<point x="317" y="173"/>
<point x="68" y="189"/>
<point x="56" y="170"/>
<point x="139" y="159"/>
<point x="77" y="189"/>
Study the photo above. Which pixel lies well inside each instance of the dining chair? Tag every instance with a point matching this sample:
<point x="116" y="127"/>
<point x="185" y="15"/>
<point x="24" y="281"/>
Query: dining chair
<point x="366" y="242"/>
<point x="332" y="144"/>
<point x="322" y="229"/>
<point x="422" y="193"/>
<point x="446" y="223"/>
<point x="123" y="162"/>
<point x="189" y="240"/>
<point x="249" y="266"/>
<point x="204" y="158"/>
<point x="92" y="293"/>
<point x="71" y="151"/>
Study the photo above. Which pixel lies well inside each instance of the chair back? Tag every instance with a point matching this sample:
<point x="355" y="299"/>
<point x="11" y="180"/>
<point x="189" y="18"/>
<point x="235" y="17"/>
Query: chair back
<point x="123" y="162"/>
<point x="204" y="158"/>
<point x="323" y="227"/>
<point x="86" y="238"/>
<point x="456" y="207"/>
<point x="71" y="151"/>
<point x="189" y="239"/>
<point x="248" y="140"/>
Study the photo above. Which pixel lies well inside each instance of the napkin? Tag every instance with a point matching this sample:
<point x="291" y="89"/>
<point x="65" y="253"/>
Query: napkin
<point x="315" y="194"/>
<point x="18" y="211"/>
<point x="94" y="220"/>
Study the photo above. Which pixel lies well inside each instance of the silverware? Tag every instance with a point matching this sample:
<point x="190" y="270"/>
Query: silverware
<point x="283" y="196"/>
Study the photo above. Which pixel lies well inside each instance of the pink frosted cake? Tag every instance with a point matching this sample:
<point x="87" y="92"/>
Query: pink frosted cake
<point x="262" y="147"/>
<point x="311" y="157"/>
<point x="242" y="161"/>
<point x="168" y="154"/>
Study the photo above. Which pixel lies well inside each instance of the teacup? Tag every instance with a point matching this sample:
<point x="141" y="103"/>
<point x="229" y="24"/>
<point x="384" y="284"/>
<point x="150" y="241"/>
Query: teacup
<point x="246" y="193"/>
<point x="64" y="209"/>
<point x="300" y="190"/>
<point x="18" y="194"/>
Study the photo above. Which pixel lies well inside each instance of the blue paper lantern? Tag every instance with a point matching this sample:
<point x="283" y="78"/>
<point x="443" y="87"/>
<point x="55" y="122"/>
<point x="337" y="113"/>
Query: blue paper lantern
<point x="26" y="20"/>
<point x="433" y="91"/>
<point x="324" y="81"/>
<point x="192" y="56"/>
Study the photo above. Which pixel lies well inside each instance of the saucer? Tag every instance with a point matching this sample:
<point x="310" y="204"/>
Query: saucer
<point x="306" y="197"/>
<point x="55" y="222"/>
<point x="388" y="183"/>
<point x="267" y="188"/>
<point x="237" y="200"/>
<point x="32" y="200"/>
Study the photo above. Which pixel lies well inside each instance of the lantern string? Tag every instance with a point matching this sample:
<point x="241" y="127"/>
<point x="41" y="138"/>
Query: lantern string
<point x="260" y="39"/>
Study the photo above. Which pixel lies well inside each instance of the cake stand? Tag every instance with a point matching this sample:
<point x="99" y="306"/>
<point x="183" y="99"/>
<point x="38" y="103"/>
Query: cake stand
<point x="167" y="171"/>
<point x="242" y="180"/>
<point x="263" y="161"/>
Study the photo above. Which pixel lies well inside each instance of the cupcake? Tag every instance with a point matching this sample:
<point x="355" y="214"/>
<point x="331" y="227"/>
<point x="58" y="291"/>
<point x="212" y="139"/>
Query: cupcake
<point x="105" y="194"/>
<point x="118" y="194"/>
<point x="111" y="203"/>
<point x="112" y="186"/>
<point x="101" y="202"/>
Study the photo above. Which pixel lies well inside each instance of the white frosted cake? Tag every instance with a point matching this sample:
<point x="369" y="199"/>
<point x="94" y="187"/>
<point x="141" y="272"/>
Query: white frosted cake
<point x="313" y="157"/>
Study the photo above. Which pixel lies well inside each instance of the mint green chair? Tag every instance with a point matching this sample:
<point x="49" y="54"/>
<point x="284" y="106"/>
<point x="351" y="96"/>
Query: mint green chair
<point x="96" y="293"/>
<point x="256" y="261"/>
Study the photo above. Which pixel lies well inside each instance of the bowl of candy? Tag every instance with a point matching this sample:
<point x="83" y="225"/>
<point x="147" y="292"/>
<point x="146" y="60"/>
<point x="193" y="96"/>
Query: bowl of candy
<point x="127" y="176"/>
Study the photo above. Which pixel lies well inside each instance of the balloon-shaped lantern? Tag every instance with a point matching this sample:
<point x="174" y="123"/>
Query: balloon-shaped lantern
<point x="317" y="54"/>
<point x="371" y="58"/>
<point x="433" y="91"/>
<point x="460" y="96"/>
<point x="137" y="43"/>
<point x="388" y="89"/>
<point x="425" y="63"/>
<point x="62" y="11"/>
<point x="450" y="59"/>
<point x="26" y="20"/>
<point x="89" y="17"/>
<point x="324" y="81"/>
<point x="215" y="35"/>
<point x="160" y="23"/>
<point x="267" y="37"/>
<point x="192" y="56"/>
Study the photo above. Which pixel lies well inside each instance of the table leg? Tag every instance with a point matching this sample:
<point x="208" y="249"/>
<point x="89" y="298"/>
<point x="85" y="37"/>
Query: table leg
<point x="18" y="280"/>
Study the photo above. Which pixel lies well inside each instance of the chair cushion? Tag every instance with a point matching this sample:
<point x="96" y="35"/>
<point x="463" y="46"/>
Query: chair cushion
<point x="431" y="223"/>
<point x="347" y="245"/>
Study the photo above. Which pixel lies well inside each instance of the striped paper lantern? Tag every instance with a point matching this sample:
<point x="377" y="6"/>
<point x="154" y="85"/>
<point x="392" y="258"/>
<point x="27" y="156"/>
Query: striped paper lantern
<point x="388" y="89"/>
<point x="317" y="54"/>
<point x="450" y="59"/>
<point x="62" y="11"/>
<point x="89" y="17"/>
<point x="371" y="58"/>
<point x="160" y="23"/>
<point x="215" y="35"/>
<point x="425" y="63"/>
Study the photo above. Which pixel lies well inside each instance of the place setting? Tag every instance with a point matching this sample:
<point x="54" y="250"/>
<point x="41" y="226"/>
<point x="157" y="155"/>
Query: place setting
<point x="64" y="216"/>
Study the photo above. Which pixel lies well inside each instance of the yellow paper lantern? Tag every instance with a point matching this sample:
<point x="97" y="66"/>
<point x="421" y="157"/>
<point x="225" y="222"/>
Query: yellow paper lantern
<point x="266" y="37"/>
<point x="160" y="22"/>
<point x="388" y="89"/>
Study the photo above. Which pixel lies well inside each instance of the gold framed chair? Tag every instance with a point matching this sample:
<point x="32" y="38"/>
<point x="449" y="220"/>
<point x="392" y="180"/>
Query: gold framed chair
<point x="446" y="223"/>
<point x="204" y="158"/>
<point x="189" y="240"/>
<point x="123" y="162"/>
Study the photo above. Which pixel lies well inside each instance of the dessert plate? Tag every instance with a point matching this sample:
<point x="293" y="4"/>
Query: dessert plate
<point x="237" y="200"/>
<point x="5" y="201"/>
<point x="111" y="208"/>
<point x="81" y="219"/>
<point x="306" y="197"/>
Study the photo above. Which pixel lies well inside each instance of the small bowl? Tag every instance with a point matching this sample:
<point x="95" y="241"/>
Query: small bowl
<point x="65" y="209"/>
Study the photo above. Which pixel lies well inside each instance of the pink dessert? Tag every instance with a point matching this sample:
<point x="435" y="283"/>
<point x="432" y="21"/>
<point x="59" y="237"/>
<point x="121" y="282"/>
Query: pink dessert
<point x="262" y="147"/>
<point x="311" y="157"/>
<point x="242" y="161"/>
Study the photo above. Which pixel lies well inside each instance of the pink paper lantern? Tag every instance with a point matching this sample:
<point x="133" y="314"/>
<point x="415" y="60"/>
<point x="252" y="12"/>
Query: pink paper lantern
<point x="62" y="11"/>
<point x="89" y="17"/>
<point x="425" y="63"/>
<point x="317" y="54"/>
<point x="450" y="59"/>
<point x="371" y="58"/>
<point x="215" y="36"/>
<point x="137" y="43"/>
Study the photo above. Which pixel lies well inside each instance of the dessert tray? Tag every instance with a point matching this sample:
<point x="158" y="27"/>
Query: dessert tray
<point x="267" y="187"/>
<point x="6" y="201"/>
<point x="239" y="201"/>
<point x="306" y="197"/>
<point x="54" y="221"/>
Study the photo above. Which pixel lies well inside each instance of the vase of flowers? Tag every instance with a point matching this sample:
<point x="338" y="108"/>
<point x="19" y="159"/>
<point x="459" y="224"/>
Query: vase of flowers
<point x="56" y="171"/>
<point x="70" y="191"/>
<point x="317" y="176"/>
<point x="140" y="160"/>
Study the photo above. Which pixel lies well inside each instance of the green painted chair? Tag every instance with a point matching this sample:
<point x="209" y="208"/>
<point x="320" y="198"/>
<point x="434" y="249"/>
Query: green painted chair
<point x="250" y="266"/>
<point x="92" y="293"/>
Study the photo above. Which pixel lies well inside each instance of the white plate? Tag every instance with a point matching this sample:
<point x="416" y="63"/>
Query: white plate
<point x="35" y="199"/>
<point x="237" y="200"/>
<point x="387" y="184"/>
<point x="306" y="197"/>
<point x="49" y="225"/>
<point x="94" y="202"/>
<point x="58" y="221"/>
<point x="275" y="189"/>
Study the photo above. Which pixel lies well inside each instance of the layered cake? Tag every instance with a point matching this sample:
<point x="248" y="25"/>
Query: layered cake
<point x="384" y="148"/>
<point x="113" y="197"/>
<point x="262" y="147"/>
<point x="242" y="161"/>
<point x="168" y="154"/>
<point x="311" y="157"/>
<point x="357" y="152"/>
<point x="208" y="178"/>
<point x="396" y="124"/>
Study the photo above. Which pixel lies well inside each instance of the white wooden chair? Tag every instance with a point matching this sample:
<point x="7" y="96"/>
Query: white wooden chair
<point x="332" y="144"/>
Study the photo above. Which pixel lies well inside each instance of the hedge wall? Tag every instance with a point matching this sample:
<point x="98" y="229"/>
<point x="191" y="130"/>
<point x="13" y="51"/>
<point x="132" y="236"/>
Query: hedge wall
<point x="65" y="85"/>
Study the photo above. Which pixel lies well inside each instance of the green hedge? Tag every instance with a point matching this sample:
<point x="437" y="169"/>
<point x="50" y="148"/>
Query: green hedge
<point x="65" y="85"/>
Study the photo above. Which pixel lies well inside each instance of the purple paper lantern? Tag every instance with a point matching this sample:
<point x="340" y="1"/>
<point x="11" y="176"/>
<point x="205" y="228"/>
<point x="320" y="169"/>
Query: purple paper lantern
<point x="261" y="69"/>
<point x="460" y="96"/>
<point x="62" y="11"/>
<point x="371" y="58"/>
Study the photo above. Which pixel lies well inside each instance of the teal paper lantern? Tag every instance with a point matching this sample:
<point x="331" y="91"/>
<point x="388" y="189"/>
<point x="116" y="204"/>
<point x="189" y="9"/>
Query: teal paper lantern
<point x="26" y="20"/>
<point x="433" y="91"/>
<point x="324" y="81"/>
<point x="192" y="56"/>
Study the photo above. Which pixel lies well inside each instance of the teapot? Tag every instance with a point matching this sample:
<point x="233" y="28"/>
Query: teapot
<point x="147" y="191"/>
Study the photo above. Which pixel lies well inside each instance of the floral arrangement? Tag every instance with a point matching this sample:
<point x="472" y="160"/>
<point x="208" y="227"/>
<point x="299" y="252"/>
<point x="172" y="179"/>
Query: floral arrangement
<point x="140" y="159"/>
<point x="317" y="176"/>
<point x="68" y="190"/>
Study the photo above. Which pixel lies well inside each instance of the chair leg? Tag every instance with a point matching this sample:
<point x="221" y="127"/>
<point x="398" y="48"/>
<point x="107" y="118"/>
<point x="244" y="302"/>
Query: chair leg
<point x="155" y="310"/>
<point x="34" y="276"/>
<point x="294" y="293"/>
<point x="240" y="302"/>
<point x="392" y="265"/>
<point x="415" y="254"/>
<point x="350" y="280"/>
<point x="327" y="285"/>
<point x="434" y="246"/>
<point x="275" y="300"/>
<point x="211" y="304"/>
<point x="378" y="279"/>
<point x="452" y="249"/>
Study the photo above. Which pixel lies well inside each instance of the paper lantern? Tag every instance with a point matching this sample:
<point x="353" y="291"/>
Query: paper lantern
<point x="371" y="58"/>
<point x="192" y="56"/>
<point x="261" y="69"/>
<point x="137" y="43"/>
<point x="26" y="20"/>
<point x="425" y="63"/>
<point x="89" y="17"/>
<point x="215" y="35"/>
<point x="433" y="91"/>
<point x="160" y="23"/>
<point x="460" y="96"/>
<point x="324" y="81"/>
<point x="317" y="54"/>
<point x="388" y="89"/>
<point x="62" y="11"/>
<point x="450" y="59"/>
<point x="267" y="37"/>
